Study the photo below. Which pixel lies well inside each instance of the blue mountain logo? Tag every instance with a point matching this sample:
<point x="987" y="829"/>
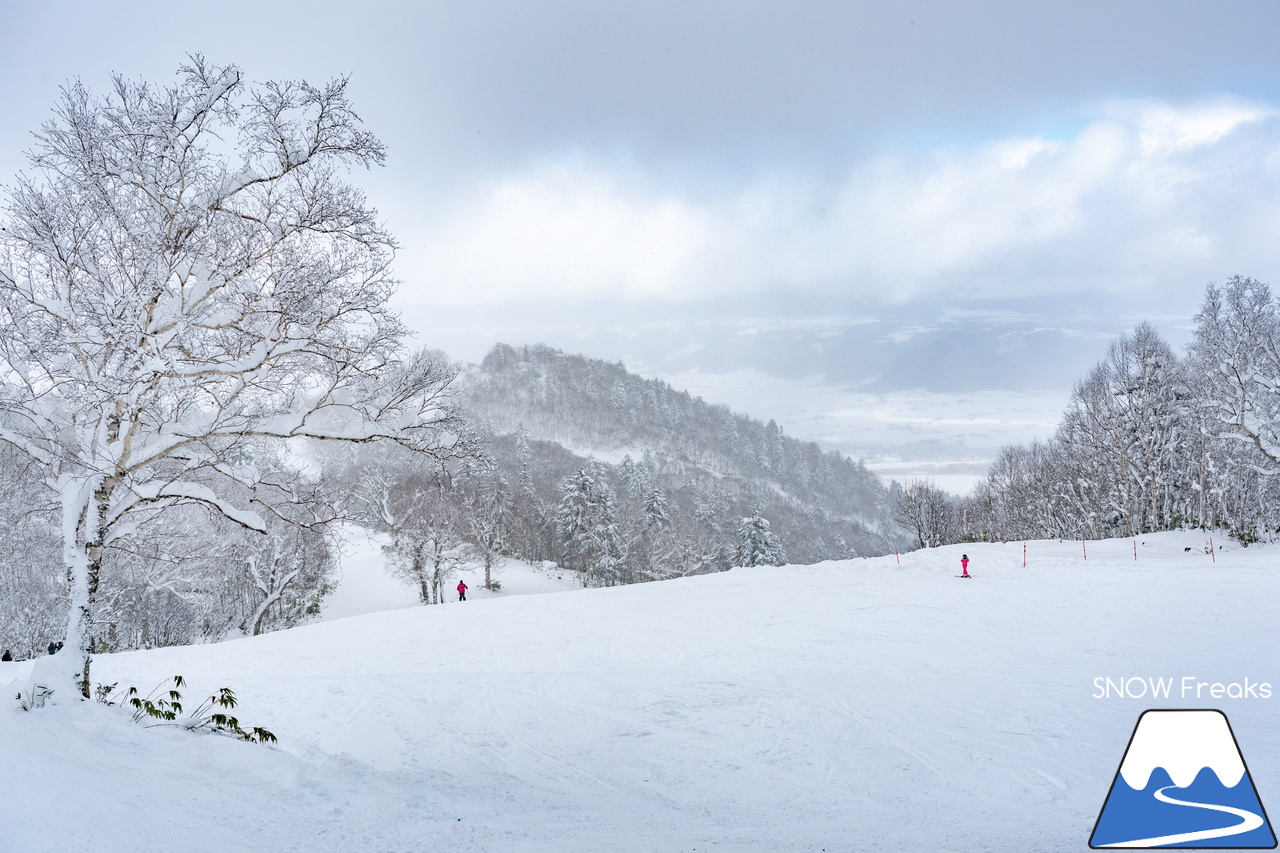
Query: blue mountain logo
<point x="1183" y="783"/>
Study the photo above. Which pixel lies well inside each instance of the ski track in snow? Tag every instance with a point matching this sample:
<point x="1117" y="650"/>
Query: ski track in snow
<point x="848" y="706"/>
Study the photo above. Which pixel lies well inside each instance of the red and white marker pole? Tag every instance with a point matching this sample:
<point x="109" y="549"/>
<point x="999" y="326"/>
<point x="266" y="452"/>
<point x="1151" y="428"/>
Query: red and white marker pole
<point x="1135" y="550"/>
<point x="895" y="556"/>
<point x="1024" y="555"/>
<point x="1084" y="550"/>
<point x="1211" y="554"/>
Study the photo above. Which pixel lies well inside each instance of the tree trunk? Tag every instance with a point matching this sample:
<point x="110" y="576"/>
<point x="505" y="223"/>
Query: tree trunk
<point x="83" y="514"/>
<point x="420" y="573"/>
<point x="84" y="596"/>
<point x="275" y="596"/>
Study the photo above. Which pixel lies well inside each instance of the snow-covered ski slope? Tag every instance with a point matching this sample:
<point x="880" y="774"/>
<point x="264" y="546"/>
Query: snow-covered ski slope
<point x="847" y="706"/>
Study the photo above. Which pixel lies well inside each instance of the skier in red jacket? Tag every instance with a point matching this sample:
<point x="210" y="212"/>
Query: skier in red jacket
<point x="462" y="591"/>
<point x="964" y="565"/>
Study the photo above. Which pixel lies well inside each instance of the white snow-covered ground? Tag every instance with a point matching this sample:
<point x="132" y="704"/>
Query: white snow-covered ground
<point x="847" y="706"/>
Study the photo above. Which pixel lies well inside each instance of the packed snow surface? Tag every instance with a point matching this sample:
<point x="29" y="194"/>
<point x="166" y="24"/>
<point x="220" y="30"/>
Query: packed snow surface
<point x="848" y="706"/>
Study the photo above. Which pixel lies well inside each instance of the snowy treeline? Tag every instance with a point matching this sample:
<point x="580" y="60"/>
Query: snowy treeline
<point x="1149" y="441"/>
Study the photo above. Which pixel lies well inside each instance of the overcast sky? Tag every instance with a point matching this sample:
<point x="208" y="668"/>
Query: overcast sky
<point x="946" y="207"/>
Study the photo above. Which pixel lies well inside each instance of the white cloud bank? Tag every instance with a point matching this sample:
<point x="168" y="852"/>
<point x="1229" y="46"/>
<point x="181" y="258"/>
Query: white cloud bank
<point x="1146" y="194"/>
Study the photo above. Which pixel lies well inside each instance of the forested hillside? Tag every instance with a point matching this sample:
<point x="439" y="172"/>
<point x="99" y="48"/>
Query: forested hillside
<point x="713" y="467"/>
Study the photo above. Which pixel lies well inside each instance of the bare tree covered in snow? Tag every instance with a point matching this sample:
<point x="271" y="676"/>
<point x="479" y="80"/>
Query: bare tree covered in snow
<point x="32" y="584"/>
<point x="925" y="510"/>
<point x="185" y="273"/>
<point x="429" y="547"/>
<point x="486" y="504"/>
<point x="1238" y="346"/>
<point x="1130" y="418"/>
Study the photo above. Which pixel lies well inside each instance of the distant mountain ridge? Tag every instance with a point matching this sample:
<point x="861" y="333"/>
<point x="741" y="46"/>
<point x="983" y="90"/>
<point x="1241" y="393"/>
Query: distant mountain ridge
<point x="823" y="504"/>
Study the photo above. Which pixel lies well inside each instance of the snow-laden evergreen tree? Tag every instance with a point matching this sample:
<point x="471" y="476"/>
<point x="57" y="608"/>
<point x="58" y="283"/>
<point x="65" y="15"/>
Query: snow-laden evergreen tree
<point x="757" y="543"/>
<point x="185" y="272"/>
<point x="635" y="479"/>
<point x="618" y="395"/>
<point x="587" y="523"/>
<point x="657" y="512"/>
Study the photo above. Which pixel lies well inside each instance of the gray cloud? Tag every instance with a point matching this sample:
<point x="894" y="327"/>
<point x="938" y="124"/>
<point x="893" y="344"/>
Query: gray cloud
<point x="491" y="81"/>
<point x="954" y="197"/>
<point x="1148" y="195"/>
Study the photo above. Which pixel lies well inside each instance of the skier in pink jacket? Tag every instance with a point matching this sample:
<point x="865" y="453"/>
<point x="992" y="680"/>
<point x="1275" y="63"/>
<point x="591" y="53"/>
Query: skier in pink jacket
<point x="462" y="591"/>
<point x="964" y="566"/>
